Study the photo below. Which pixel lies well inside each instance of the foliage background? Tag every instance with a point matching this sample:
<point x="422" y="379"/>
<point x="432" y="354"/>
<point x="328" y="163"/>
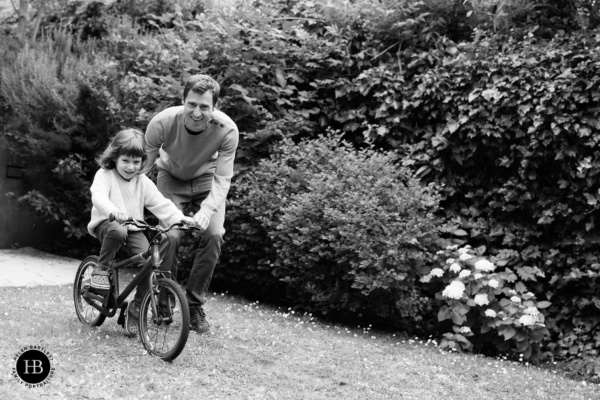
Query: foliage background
<point x="495" y="103"/>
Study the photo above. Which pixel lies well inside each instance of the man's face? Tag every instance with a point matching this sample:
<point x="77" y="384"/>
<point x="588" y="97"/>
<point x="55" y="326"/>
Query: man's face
<point x="198" y="109"/>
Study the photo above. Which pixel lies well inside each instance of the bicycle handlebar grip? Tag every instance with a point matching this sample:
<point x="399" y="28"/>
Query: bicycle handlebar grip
<point x="111" y="218"/>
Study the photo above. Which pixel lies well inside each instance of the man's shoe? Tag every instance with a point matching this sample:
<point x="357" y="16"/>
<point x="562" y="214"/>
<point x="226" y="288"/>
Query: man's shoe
<point x="198" y="321"/>
<point x="132" y="318"/>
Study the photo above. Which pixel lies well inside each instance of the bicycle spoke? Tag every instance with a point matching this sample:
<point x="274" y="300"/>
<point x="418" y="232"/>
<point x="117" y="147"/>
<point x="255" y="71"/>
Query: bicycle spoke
<point x="165" y="335"/>
<point x="85" y="312"/>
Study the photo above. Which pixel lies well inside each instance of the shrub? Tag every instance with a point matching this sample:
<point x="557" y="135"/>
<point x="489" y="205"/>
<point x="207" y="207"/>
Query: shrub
<point x="490" y="308"/>
<point x="349" y="229"/>
<point x="515" y="153"/>
<point x="44" y="88"/>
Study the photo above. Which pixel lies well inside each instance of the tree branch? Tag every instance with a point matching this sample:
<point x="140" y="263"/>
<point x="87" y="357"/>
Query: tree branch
<point x="386" y="50"/>
<point x="14" y="7"/>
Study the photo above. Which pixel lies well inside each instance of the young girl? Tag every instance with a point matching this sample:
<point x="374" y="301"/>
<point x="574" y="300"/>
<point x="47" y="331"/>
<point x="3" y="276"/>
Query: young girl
<point x="120" y="189"/>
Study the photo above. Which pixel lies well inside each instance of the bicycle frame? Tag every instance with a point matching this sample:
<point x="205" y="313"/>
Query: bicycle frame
<point x="114" y="300"/>
<point x="163" y="319"/>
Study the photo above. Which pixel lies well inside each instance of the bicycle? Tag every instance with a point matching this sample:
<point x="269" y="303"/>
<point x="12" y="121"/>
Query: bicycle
<point x="164" y="319"/>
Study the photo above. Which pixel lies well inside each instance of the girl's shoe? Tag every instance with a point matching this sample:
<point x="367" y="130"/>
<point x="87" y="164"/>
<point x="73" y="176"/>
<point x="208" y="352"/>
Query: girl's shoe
<point x="100" y="280"/>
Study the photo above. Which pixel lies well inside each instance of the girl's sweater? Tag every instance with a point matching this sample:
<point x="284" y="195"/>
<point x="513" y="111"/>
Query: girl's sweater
<point x="111" y="194"/>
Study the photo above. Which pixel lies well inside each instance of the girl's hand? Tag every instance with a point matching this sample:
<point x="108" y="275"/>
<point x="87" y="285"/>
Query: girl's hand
<point x="121" y="217"/>
<point x="189" y="221"/>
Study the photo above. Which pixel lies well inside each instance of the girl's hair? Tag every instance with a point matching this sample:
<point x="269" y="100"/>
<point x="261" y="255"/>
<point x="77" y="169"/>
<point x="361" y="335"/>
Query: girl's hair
<point x="128" y="142"/>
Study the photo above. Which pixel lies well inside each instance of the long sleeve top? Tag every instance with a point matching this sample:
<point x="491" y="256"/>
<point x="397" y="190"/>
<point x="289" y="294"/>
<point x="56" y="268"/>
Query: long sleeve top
<point x="111" y="193"/>
<point x="187" y="156"/>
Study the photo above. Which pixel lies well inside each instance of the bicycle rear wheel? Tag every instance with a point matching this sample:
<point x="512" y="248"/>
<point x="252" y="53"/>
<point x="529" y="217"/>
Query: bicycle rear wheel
<point x="83" y="278"/>
<point x="165" y="334"/>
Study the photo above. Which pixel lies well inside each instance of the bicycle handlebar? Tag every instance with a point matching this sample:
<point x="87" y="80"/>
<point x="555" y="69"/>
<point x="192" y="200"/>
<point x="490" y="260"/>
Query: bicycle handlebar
<point x="144" y="225"/>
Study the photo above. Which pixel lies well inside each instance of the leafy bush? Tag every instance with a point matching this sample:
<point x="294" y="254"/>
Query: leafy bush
<point x="491" y="309"/>
<point x="43" y="88"/>
<point x="349" y="229"/>
<point x="515" y="151"/>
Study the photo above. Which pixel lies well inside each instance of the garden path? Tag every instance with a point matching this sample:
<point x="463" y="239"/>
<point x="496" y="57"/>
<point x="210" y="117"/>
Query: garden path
<point x="30" y="267"/>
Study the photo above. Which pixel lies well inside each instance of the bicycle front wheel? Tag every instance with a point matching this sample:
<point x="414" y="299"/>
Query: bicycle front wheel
<point x="164" y="333"/>
<point x="83" y="278"/>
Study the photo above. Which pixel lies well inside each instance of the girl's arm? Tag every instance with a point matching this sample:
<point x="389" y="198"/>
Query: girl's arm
<point x="100" y="190"/>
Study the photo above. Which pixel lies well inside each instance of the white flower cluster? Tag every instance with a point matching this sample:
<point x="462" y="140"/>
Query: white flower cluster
<point x="490" y="313"/>
<point x="437" y="272"/>
<point x="434" y="272"/>
<point x="455" y="267"/>
<point x="493" y="283"/>
<point x="485" y="265"/>
<point x="528" y="320"/>
<point x="464" y="253"/>
<point x="464" y="273"/>
<point x="465" y="256"/>
<point x="481" y="299"/>
<point x="533" y="311"/>
<point x="454" y="290"/>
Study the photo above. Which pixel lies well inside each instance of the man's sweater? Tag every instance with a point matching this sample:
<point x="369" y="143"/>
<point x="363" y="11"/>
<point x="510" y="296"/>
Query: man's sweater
<point x="187" y="156"/>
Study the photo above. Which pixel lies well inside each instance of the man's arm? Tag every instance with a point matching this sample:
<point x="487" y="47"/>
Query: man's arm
<point x="155" y="137"/>
<point x="223" y="174"/>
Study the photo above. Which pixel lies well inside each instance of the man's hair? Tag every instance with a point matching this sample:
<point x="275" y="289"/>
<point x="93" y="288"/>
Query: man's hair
<point x="128" y="142"/>
<point x="201" y="84"/>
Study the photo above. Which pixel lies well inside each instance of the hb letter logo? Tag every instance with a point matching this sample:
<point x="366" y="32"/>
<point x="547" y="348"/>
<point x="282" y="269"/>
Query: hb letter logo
<point x="33" y="366"/>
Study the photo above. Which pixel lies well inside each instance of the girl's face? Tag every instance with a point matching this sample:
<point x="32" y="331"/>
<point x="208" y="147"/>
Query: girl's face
<point x="128" y="166"/>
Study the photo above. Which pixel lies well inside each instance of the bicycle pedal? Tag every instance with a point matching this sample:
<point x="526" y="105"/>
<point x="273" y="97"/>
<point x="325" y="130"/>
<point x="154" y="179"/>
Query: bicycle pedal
<point x="121" y="319"/>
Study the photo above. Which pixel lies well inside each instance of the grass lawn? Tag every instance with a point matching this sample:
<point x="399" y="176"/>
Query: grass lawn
<point x="253" y="352"/>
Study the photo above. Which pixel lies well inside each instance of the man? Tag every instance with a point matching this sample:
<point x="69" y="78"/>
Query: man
<point x="197" y="145"/>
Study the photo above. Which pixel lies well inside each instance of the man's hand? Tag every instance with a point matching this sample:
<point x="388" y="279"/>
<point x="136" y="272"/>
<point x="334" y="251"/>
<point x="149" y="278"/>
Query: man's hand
<point x="202" y="220"/>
